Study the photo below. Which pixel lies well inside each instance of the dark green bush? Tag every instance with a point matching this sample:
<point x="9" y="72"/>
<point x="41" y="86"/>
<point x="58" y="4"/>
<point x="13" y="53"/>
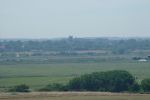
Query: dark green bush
<point x="20" y="88"/>
<point x="113" y="81"/>
<point x="145" y="84"/>
<point x="135" y="87"/>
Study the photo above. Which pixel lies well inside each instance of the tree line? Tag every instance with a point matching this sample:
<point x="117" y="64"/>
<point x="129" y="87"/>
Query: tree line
<point x="73" y="44"/>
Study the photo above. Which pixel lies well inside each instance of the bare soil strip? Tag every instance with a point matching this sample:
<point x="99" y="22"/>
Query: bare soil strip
<point x="61" y="94"/>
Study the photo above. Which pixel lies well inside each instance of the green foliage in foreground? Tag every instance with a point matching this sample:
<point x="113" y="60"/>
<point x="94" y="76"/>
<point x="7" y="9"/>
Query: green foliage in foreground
<point x="113" y="81"/>
<point x="146" y="85"/>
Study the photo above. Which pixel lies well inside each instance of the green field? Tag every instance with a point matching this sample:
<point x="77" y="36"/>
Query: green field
<point x="39" y="75"/>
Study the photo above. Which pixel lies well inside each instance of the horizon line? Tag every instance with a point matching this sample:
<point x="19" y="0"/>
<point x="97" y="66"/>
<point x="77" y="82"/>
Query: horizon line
<point x="90" y="37"/>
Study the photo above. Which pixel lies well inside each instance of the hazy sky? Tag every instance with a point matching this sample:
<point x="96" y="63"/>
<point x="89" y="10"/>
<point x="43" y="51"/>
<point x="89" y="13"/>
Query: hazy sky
<point x="80" y="18"/>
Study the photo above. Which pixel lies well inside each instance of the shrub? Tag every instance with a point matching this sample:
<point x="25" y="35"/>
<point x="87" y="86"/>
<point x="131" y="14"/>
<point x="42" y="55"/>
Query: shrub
<point x="20" y="88"/>
<point x="145" y="84"/>
<point x="113" y="81"/>
<point x="75" y="84"/>
<point x="135" y="87"/>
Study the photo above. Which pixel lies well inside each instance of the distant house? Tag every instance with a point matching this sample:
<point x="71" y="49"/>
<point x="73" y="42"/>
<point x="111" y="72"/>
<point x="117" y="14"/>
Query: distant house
<point x="17" y="55"/>
<point x="142" y="60"/>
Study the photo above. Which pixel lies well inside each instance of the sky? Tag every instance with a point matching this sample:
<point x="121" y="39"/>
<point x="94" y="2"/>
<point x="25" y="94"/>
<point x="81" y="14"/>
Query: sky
<point x="79" y="18"/>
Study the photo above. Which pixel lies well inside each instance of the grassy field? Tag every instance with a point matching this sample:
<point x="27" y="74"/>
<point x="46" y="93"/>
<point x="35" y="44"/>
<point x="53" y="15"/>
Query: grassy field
<point x="74" y="96"/>
<point x="39" y="75"/>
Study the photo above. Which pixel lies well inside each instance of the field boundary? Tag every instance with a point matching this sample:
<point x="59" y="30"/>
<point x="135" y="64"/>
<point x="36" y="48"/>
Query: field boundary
<point x="61" y="94"/>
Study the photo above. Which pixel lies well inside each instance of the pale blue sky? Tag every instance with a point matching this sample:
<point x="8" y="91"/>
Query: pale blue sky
<point x="80" y="18"/>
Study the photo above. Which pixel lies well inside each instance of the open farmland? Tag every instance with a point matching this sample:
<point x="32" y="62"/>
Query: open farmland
<point x="74" y="96"/>
<point x="39" y="75"/>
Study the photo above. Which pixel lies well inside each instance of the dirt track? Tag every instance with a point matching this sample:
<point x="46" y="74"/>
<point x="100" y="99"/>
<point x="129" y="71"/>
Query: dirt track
<point x="61" y="95"/>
